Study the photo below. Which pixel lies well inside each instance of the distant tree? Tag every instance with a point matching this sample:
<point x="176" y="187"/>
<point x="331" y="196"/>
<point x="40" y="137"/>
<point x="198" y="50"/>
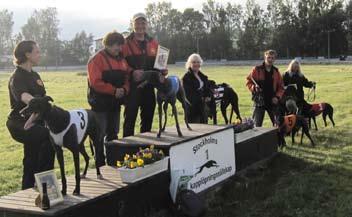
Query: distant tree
<point x="349" y="26"/>
<point x="254" y="38"/>
<point x="43" y="27"/>
<point x="6" y="25"/>
<point x="76" y="51"/>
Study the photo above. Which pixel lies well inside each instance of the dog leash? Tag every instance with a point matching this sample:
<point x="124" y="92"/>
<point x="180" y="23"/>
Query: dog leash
<point x="311" y="92"/>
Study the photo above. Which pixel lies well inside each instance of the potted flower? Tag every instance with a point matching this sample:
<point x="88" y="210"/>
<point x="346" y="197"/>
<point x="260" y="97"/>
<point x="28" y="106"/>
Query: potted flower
<point x="145" y="163"/>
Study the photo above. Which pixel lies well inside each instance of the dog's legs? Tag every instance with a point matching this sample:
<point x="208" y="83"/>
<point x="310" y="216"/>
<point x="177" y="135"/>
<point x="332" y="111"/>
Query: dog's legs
<point x="60" y="159"/>
<point x="185" y="114"/>
<point x="237" y="111"/>
<point x="223" y="107"/>
<point x="77" y="189"/>
<point x="160" y="112"/>
<point x="231" y="114"/>
<point x="324" y="119"/>
<point x="315" y="122"/>
<point x="82" y="150"/>
<point x="305" y="130"/>
<point x="215" y="118"/>
<point x="174" y="112"/>
<point x="331" y="118"/>
<point x="165" y="115"/>
<point x="293" y="134"/>
<point x="181" y="96"/>
<point x="95" y="142"/>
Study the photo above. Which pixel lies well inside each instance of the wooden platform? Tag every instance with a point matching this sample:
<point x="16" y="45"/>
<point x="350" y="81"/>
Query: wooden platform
<point x="111" y="197"/>
<point x="92" y="189"/>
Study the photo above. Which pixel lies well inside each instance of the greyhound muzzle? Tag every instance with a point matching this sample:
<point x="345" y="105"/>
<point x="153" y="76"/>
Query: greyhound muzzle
<point x="31" y="121"/>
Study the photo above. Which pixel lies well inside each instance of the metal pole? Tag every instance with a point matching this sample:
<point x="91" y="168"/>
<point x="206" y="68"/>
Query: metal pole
<point x="329" y="44"/>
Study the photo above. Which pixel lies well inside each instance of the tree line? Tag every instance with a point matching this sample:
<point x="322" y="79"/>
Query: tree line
<point x="43" y="27"/>
<point x="305" y="28"/>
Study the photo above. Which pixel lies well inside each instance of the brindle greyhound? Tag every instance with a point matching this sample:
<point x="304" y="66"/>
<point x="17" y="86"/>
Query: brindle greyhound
<point x="168" y="90"/>
<point x="68" y="129"/>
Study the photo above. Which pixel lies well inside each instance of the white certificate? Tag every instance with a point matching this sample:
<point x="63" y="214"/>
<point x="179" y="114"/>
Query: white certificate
<point x="161" y="58"/>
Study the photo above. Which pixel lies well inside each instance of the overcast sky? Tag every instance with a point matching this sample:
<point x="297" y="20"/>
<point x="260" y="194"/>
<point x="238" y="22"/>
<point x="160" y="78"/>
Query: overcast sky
<point x="96" y="17"/>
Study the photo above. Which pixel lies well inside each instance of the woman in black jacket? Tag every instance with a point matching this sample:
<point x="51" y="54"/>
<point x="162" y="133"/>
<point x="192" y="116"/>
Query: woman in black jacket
<point x="293" y="75"/>
<point x="197" y="89"/>
<point x="24" y="84"/>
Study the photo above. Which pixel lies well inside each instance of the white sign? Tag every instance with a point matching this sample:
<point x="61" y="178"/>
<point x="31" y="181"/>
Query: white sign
<point x="201" y="163"/>
<point x="161" y="58"/>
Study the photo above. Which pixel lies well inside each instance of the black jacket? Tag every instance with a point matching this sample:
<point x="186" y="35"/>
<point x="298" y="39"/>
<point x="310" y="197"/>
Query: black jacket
<point x="194" y="94"/>
<point x="300" y="80"/>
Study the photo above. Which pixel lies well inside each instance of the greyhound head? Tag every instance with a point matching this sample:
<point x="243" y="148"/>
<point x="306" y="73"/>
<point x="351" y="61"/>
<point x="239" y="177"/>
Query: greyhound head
<point x="152" y="77"/>
<point x="37" y="107"/>
<point x="291" y="105"/>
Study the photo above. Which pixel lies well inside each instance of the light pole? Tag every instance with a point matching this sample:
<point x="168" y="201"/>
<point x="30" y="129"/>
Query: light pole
<point x="329" y="42"/>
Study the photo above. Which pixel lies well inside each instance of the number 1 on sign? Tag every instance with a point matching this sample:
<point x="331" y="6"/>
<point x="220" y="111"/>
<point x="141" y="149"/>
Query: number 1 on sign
<point x="207" y="154"/>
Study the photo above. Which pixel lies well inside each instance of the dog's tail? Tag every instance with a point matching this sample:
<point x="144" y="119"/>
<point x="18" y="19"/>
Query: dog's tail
<point x="91" y="146"/>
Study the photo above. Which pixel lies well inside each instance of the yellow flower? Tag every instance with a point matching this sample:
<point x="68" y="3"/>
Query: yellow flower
<point x="118" y="164"/>
<point x="134" y="156"/>
<point x="140" y="162"/>
<point x="147" y="155"/>
<point x="152" y="147"/>
<point x="127" y="157"/>
<point x="133" y="164"/>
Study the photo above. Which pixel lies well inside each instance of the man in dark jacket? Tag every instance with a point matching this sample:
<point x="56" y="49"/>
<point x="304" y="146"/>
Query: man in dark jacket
<point x="265" y="79"/>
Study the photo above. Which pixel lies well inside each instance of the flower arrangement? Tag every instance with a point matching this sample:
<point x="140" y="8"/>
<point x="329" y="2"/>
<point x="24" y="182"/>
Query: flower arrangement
<point x="246" y="124"/>
<point x="141" y="158"/>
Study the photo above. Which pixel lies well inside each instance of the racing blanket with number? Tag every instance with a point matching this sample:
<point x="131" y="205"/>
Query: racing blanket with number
<point x="79" y="118"/>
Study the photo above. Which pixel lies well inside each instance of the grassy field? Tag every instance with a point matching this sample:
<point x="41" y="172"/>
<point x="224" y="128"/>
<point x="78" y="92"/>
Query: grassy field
<point x="300" y="181"/>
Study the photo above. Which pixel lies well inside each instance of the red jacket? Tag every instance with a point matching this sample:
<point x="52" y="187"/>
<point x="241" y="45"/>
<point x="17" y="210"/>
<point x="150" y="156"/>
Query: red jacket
<point x="258" y="74"/>
<point x="105" y="80"/>
<point x="137" y="56"/>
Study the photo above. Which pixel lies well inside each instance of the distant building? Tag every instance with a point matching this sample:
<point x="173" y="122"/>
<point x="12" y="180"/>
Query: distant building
<point x="98" y="43"/>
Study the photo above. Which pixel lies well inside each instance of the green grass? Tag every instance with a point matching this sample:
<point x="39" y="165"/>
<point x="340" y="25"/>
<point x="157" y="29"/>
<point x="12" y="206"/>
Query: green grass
<point x="300" y="181"/>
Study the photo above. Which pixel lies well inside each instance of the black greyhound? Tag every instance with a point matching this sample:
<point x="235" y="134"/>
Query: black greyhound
<point x="68" y="129"/>
<point x="226" y="95"/>
<point x="168" y="90"/>
<point x="316" y="109"/>
<point x="288" y="121"/>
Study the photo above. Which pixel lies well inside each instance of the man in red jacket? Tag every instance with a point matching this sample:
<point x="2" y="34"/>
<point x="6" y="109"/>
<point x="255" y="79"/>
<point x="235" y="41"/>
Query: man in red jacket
<point x="108" y="84"/>
<point x="140" y="52"/>
<point x="265" y="80"/>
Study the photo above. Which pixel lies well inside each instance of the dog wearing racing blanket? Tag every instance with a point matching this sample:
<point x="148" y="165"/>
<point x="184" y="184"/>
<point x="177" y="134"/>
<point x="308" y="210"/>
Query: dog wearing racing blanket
<point x="225" y="95"/>
<point x="289" y="122"/>
<point x="169" y="90"/>
<point x="316" y="109"/>
<point x="67" y="129"/>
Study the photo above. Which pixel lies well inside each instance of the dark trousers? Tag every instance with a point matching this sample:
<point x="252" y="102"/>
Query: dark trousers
<point x="258" y="115"/>
<point x="143" y="98"/>
<point x="39" y="153"/>
<point x="109" y="125"/>
<point x="197" y="112"/>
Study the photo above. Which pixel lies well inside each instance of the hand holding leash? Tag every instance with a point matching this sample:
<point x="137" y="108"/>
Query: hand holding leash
<point x="256" y="86"/>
